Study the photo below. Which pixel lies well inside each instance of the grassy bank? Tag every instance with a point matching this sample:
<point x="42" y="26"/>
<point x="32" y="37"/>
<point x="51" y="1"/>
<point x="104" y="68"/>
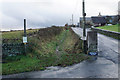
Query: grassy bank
<point x="42" y="51"/>
<point x="115" y="28"/>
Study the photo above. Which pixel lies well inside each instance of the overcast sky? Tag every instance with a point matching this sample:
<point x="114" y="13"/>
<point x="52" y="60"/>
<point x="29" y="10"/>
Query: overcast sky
<point x="44" y="13"/>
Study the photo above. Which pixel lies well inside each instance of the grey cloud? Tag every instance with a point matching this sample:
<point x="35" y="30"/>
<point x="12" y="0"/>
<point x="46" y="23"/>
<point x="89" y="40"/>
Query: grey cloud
<point x="43" y="13"/>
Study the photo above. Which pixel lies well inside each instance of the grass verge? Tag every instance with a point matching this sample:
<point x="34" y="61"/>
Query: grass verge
<point x="115" y="28"/>
<point x="111" y="28"/>
<point x="42" y="52"/>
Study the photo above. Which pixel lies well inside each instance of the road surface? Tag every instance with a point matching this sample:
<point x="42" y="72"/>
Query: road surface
<point x="106" y="65"/>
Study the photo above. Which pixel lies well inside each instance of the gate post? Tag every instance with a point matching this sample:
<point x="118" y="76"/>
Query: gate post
<point x="92" y="42"/>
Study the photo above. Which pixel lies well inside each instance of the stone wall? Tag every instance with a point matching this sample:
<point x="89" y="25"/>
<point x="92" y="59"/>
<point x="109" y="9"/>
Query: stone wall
<point x="113" y="34"/>
<point x="12" y="49"/>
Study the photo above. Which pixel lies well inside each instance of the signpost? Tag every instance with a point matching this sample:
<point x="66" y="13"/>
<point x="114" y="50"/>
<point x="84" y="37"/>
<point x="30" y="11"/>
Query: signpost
<point x="24" y="39"/>
<point x="25" y="35"/>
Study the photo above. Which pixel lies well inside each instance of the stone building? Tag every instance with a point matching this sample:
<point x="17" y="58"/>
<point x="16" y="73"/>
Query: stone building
<point x="98" y="21"/>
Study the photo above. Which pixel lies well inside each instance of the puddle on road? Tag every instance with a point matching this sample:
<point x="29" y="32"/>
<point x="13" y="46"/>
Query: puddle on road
<point x="53" y="68"/>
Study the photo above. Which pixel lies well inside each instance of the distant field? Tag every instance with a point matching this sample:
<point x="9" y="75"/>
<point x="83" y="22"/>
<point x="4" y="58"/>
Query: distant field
<point x="115" y="28"/>
<point x="16" y="34"/>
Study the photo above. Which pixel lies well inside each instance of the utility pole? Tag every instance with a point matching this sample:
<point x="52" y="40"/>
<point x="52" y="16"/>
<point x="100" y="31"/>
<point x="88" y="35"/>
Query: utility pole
<point x="79" y="23"/>
<point x="72" y="20"/>
<point x="84" y="29"/>
<point x="84" y="21"/>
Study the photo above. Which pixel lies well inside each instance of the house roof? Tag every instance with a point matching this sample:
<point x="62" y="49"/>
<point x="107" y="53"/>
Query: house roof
<point x="98" y="20"/>
<point x="87" y="18"/>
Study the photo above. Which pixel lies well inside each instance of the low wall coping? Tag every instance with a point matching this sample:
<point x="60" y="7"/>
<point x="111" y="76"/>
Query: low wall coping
<point x="106" y="30"/>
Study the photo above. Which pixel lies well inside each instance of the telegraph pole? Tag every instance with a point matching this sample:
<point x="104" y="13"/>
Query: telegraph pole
<point x="84" y="29"/>
<point x="84" y="21"/>
<point x="72" y="20"/>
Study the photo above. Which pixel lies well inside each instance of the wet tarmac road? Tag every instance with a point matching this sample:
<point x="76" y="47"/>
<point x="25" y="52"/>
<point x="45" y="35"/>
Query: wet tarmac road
<point x="105" y="66"/>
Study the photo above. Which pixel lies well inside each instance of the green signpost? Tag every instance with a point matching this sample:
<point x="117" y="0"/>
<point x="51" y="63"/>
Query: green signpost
<point x="25" y="36"/>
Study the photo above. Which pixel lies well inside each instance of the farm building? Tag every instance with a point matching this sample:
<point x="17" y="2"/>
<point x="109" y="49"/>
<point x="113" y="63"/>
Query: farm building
<point x="113" y="19"/>
<point x="98" y="21"/>
<point x="102" y="20"/>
